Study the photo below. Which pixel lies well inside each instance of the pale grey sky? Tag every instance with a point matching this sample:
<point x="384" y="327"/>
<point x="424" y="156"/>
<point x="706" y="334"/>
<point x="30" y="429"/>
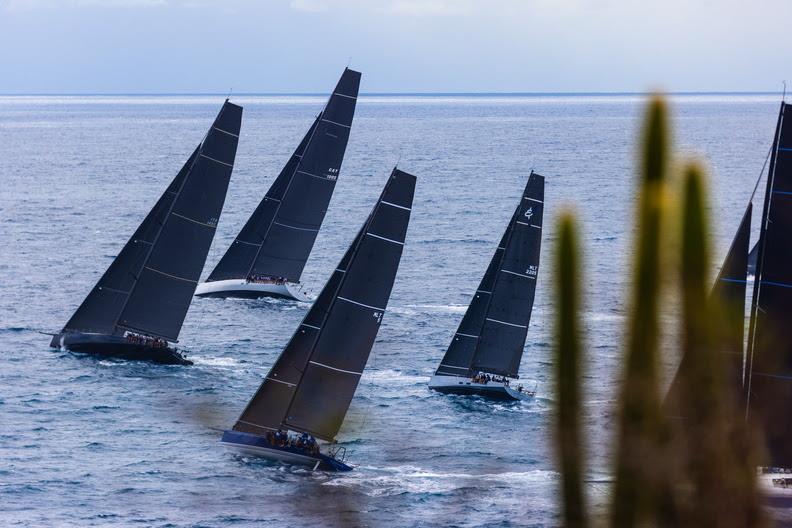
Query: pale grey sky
<point x="177" y="46"/>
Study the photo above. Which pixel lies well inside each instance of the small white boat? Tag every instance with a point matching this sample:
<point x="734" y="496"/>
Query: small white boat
<point x="498" y="390"/>
<point x="241" y="288"/>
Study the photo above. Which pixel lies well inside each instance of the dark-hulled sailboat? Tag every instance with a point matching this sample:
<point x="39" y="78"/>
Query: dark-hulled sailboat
<point x="488" y="346"/>
<point x="138" y="306"/>
<point x="762" y="369"/>
<point x="269" y="254"/>
<point x="311" y="385"/>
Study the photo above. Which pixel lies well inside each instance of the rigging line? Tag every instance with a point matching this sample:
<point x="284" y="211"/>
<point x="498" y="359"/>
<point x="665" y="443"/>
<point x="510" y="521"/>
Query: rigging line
<point x="770" y="151"/>
<point x="761" y="172"/>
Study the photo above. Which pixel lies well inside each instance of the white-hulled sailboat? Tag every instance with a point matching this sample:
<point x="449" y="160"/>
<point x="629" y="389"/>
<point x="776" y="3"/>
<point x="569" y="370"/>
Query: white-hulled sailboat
<point x="268" y="256"/>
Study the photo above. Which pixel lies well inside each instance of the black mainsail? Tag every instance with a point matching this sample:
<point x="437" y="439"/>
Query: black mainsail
<point x="492" y="334"/>
<point x="769" y="357"/>
<point x="148" y="287"/>
<point x="279" y="236"/>
<point x="311" y="385"/>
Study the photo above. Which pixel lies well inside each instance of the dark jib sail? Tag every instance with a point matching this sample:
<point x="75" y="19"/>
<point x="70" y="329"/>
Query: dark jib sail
<point x="277" y="239"/>
<point x="769" y="375"/>
<point x="729" y="294"/>
<point x="491" y="336"/>
<point x="148" y="287"/>
<point x="311" y="385"/>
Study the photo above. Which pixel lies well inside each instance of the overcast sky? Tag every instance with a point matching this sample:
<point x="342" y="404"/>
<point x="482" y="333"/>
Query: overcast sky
<point x="199" y="46"/>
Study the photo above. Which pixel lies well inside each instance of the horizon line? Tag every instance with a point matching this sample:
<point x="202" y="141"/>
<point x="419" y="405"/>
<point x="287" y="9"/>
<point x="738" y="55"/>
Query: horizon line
<point x="380" y="94"/>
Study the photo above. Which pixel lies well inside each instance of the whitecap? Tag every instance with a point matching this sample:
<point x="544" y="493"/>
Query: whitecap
<point x="378" y="482"/>
<point x="226" y="362"/>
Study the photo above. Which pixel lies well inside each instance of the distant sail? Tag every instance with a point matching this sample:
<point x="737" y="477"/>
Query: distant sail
<point x="752" y="259"/>
<point x="312" y="383"/>
<point x="279" y="236"/>
<point x="729" y="294"/>
<point x="149" y="285"/>
<point x="769" y="379"/>
<point x="491" y="336"/>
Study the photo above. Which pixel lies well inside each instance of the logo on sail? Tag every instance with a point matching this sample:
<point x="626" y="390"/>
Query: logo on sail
<point x="378" y="316"/>
<point x="532" y="271"/>
<point x="529" y="213"/>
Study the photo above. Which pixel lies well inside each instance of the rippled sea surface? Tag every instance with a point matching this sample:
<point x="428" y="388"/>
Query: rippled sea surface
<point x="91" y="442"/>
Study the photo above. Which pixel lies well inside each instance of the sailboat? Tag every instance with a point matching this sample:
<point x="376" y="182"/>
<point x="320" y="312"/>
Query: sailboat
<point x="137" y="308"/>
<point x="307" y="392"/>
<point x="488" y="346"/>
<point x="761" y="369"/>
<point x="768" y="370"/>
<point x="269" y="254"/>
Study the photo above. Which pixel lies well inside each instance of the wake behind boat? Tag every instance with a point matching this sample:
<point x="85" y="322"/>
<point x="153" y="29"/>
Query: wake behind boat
<point x="307" y="392"/>
<point x="269" y="254"/>
<point x="137" y="308"/>
<point x="488" y="346"/>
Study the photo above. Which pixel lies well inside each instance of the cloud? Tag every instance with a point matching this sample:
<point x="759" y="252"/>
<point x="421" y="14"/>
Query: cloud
<point x="310" y="6"/>
<point x="428" y="7"/>
<point x="389" y="7"/>
<point x="21" y="5"/>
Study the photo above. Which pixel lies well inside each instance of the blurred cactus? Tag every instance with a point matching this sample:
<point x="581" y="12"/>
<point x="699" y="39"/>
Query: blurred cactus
<point x="700" y="472"/>
<point x="638" y="488"/>
<point x="712" y="438"/>
<point x="567" y="364"/>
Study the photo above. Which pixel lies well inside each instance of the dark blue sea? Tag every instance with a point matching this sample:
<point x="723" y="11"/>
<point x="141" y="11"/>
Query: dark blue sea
<point x="92" y="442"/>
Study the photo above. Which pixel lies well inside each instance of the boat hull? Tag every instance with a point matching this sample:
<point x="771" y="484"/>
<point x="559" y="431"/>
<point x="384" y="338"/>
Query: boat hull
<point x="465" y="386"/>
<point x="258" y="446"/>
<point x="242" y="289"/>
<point x="117" y="347"/>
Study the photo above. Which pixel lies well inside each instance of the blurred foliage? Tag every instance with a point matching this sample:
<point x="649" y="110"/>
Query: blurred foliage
<point x="697" y="469"/>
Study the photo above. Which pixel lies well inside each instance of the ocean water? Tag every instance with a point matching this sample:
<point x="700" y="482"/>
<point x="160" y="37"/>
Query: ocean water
<point x="93" y="442"/>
